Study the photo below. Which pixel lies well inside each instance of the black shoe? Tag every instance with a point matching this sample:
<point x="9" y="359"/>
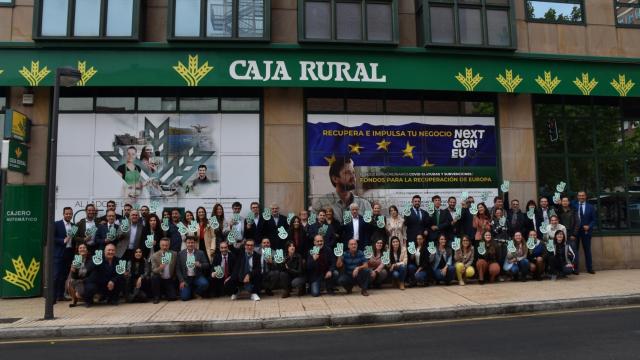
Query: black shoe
<point x="268" y="292"/>
<point x="88" y="305"/>
<point x="591" y="272"/>
<point x="300" y="291"/>
<point x="156" y="300"/>
<point x="349" y="291"/>
<point x="576" y="272"/>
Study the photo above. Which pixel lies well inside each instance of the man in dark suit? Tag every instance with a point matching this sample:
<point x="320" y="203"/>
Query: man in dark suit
<point x="587" y="220"/>
<point x="543" y="213"/>
<point x="248" y="273"/>
<point x="226" y="260"/>
<point x="270" y="227"/>
<point x="253" y="229"/>
<point x="102" y="239"/>
<point x="456" y="224"/>
<point x="330" y="236"/>
<point x="516" y="219"/>
<point x="357" y="229"/>
<point x="88" y="222"/>
<point x="62" y="252"/>
<point x="440" y="221"/>
<point x="103" y="278"/>
<point x="133" y="239"/>
<point x="417" y="221"/>
<point x="191" y="277"/>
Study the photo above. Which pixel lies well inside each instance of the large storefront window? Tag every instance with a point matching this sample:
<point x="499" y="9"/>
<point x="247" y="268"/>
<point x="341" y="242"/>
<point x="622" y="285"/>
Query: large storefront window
<point x="87" y="19"/>
<point x="220" y="19"/>
<point x="476" y="23"/>
<point x="181" y="151"/>
<point x="592" y="144"/>
<point x="372" y="21"/>
<point x="388" y="147"/>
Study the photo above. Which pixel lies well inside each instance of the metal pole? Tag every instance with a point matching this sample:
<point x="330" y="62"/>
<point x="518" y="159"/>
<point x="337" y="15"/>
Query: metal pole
<point x="51" y="187"/>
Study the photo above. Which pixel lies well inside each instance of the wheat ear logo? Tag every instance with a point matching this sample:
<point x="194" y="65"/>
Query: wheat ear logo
<point x="35" y="74"/>
<point x="193" y="73"/>
<point x="622" y="85"/>
<point x="508" y="81"/>
<point x="23" y="277"/>
<point x="468" y="80"/>
<point x="548" y="84"/>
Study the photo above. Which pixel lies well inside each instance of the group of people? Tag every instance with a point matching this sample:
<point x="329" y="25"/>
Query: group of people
<point x="141" y="256"/>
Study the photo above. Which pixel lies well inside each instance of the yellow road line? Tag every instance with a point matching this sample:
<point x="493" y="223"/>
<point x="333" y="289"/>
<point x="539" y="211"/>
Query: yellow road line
<point x="317" y="329"/>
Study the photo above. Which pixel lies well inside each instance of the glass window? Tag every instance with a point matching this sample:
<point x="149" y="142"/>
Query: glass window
<point x="365" y="105"/>
<point x="88" y="18"/>
<point x="379" y="22"/>
<point x="199" y="104"/>
<point x="54" y="17"/>
<point x="599" y="154"/>
<point x="325" y="104"/>
<point x="221" y="19"/>
<point x="120" y="18"/>
<point x="465" y="22"/>
<point x="627" y="13"/>
<point x="89" y="23"/>
<point x="250" y="18"/>
<point x="76" y="104"/>
<point x="349" y="21"/>
<point x="442" y="29"/>
<point x="240" y="104"/>
<point x="470" y="26"/>
<point x="185" y="12"/>
<point x="111" y="104"/>
<point x="157" y="104"/>
<point x="317" y="20"/>
<point x="498" y="27"/>
<point x="441" y="107"/>
<point x="555" y="11"/>
<point x="6" y="2"/>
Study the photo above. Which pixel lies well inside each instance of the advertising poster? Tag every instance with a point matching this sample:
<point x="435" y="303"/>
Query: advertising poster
<point x="178" y="160"/>
<point x="391" y="158"/>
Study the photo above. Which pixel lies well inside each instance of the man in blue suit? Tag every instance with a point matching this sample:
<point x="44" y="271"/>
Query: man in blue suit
<point x="417" y="222"/>
<point x="587" y="221"/>
<point x="102" y="239"/>
<point x="62" y="252"/>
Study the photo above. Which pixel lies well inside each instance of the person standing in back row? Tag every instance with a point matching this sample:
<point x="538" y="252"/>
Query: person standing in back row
<point x="587" y="220"/>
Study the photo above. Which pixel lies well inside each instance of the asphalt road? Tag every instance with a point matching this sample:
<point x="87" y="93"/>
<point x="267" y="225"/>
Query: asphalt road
<point x="596" y="334"/>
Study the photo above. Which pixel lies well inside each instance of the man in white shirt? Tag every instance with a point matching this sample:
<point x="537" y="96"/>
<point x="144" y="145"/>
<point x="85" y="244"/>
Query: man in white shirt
<point x="63" y="252"/>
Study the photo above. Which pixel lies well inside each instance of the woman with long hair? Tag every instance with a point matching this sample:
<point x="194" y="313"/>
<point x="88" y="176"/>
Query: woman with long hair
<point x="397" y="262"/>
<point x="152" y="228"/>
<point x="218" y="213"/>
<point x="516" y="262"/>
<point x="205" y="234"/>
<point x="487" y="263"/>
<point x="77" y="275"/>
<point x="293" y="268"/>
<point x="418" y="269"/>
<point x="378" y="272"/>
<point x="464" y="260"/>
<point x="562" y="260"/>
<point x="395" y="226"/>
<point x="481" y="221"/>
<point x="139" y="277"/>
<point x="442" y="262"/>
<point x="297" y="235"/>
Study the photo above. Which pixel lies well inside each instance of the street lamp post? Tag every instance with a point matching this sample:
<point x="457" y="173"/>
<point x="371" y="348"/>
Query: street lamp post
<point x="65" y="76"/>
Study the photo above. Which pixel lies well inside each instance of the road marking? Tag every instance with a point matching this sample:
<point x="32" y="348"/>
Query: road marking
<point x="317" y="329"/>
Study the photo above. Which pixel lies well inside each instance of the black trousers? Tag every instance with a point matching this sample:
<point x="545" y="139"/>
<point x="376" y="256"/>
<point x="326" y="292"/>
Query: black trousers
<point x="91" y="289"/>
<point x="166" y="287"/>
<point x="220" y="288"/>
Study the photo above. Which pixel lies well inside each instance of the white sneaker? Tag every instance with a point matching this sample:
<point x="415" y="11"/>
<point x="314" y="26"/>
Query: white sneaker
<point x="234" y="297"/>
<point x="255" y="297"/>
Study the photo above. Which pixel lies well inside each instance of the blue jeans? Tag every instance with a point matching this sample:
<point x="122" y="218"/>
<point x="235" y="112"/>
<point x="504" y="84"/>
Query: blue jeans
<point x="348" y="281"/>
<point x="419" y="276"/>
<point x="399" y="273"/>
<point x="198" y="284"/>
<point x="520" y="268"/>
<point x="451" y="274"/>
<point x="328" y="283"/>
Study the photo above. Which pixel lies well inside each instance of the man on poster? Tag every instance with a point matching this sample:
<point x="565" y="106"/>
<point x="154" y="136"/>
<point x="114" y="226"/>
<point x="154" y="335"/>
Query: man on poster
<point x="343" y="178"/>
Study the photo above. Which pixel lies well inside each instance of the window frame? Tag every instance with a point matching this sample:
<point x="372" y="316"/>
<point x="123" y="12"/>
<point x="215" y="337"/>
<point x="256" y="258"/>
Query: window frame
<point x="203" y="25"/>
<point x="395" y="33"/>
<point x="615" y="16"/>
<point x="135" y="26"/>
<point x="562" y="22"/>
<point x="424" y="24"/>
<point x="11" y="3"/>
<point x="566" y="156"/>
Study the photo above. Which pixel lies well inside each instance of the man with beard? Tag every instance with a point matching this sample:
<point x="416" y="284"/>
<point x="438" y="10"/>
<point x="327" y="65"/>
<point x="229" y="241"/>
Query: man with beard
<point x="343" y="178"/>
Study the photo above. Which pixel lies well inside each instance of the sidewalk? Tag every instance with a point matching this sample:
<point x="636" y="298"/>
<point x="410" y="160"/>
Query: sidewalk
<point x="617" y="287"/>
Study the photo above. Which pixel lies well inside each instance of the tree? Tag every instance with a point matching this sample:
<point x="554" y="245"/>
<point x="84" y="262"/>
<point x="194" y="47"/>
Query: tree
<point x="576" y="14"/>
<point x="550" y="15"/>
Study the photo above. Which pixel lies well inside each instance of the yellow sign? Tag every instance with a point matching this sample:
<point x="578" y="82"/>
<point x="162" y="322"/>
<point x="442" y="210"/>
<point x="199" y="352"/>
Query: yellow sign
<point x="22" y="277"/>
<point x="19" y="125"/>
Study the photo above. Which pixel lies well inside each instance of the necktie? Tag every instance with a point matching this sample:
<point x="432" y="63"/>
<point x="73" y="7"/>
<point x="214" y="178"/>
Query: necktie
<point x="418" y="214"/>
<point x="226" y="267"/>
<point x="437" y="217"/>
<point x="581" y="211"/>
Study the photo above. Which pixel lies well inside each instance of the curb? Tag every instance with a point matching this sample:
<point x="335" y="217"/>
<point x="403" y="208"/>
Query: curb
<point x="409" y="316"/>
